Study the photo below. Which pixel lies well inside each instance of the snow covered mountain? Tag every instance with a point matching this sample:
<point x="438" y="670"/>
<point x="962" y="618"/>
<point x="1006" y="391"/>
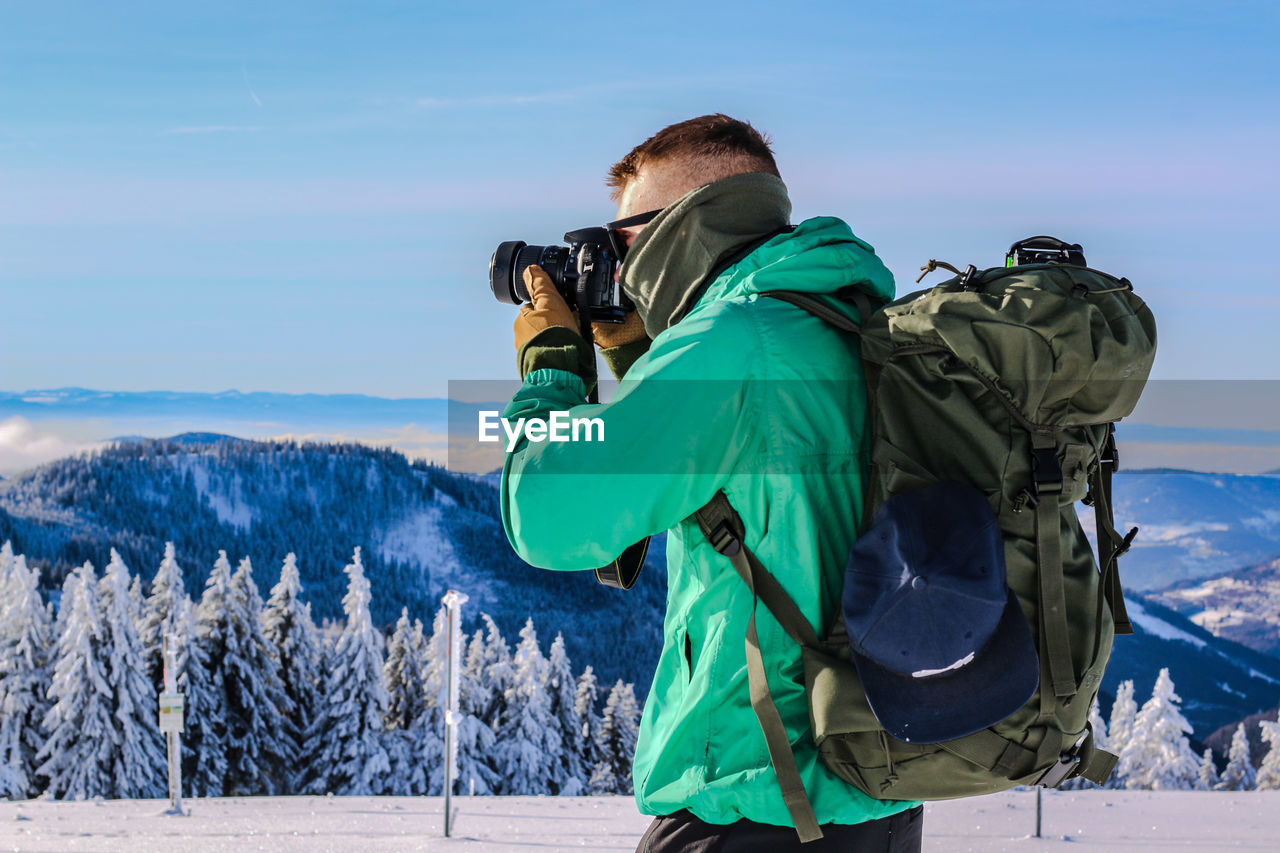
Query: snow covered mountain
<point x="1193" y="525"/>
<point x="1243" y="605"/>
<point x="422" y="529"/>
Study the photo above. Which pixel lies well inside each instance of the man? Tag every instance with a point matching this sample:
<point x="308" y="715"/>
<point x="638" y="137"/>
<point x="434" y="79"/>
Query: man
<point x="722" y="390"/>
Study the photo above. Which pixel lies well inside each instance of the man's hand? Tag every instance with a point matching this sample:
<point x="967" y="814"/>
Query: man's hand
<point x="547" y="332"/>
<point x="621" y="343"/>
<point x="546" y="308"/>
<point x="609" y="335"/>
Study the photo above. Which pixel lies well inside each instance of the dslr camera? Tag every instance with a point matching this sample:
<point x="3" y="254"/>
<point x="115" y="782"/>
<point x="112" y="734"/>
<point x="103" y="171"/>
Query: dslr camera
<point x="583" y="271"/>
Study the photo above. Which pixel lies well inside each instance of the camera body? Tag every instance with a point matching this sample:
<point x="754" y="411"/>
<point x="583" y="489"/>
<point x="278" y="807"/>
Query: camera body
<point x="583" y="273"/>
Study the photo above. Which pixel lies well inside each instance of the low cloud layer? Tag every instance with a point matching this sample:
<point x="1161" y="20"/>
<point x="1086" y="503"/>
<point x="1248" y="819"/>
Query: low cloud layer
<point x="22" y="446"/>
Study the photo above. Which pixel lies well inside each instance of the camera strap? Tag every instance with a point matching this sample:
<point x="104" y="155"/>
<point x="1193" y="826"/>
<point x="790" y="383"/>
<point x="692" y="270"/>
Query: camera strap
<point x="623" y="572"/>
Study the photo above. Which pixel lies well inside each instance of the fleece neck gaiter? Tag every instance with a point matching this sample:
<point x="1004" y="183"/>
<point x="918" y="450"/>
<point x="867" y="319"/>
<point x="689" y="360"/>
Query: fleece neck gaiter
<point x="694" y="238"/>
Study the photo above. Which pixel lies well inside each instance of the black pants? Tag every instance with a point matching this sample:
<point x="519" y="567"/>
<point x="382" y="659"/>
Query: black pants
<point x="683" y="833"/>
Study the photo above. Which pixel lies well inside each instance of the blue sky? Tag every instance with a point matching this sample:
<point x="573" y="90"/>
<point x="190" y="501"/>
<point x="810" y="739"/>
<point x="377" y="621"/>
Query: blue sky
<point x="303" y="197"/>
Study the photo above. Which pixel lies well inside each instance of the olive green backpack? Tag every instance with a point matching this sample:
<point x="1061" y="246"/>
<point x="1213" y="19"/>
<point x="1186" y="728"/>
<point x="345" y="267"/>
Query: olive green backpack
<point x="1009" y="379"/>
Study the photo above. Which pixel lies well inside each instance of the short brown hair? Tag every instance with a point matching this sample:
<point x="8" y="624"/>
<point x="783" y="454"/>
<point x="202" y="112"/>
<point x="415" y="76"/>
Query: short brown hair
<point x="716" y="140"/>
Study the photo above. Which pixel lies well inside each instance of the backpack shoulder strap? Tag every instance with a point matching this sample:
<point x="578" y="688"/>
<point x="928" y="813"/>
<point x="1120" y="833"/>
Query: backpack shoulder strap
<point x="823" y="310"/>
<point x="723" y="528"/>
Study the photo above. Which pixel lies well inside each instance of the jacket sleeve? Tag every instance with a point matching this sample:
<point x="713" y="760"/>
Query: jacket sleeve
<point x="673" y="432"/>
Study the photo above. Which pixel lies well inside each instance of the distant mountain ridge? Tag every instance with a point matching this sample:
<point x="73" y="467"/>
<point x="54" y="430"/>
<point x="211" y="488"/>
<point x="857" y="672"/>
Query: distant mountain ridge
<point x="186" y="438"/>
<point x="320" y="408"/>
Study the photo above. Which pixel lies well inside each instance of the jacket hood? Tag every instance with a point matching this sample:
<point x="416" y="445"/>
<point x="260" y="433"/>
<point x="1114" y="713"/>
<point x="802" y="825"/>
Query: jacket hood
<point x="821" y="256"/>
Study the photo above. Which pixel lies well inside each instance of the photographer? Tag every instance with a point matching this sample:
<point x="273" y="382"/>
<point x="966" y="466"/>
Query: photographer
<point x="721" y="390"/>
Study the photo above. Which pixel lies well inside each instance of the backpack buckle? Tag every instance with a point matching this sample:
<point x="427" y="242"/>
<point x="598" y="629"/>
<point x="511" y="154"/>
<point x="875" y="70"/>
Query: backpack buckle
<point x="1111" y="452"/>
<point x="1064" y="768"/>
<point x="1046" y="471"/>
<point x="724" y="539"/>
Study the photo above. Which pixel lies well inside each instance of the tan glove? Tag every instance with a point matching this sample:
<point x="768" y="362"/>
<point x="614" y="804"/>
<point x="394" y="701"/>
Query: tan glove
<point x="546" y="308"/>
<point x="608" y="335"/>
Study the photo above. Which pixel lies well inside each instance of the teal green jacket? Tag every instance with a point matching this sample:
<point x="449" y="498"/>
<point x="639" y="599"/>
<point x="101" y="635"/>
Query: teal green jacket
<point x="756" y="397"/>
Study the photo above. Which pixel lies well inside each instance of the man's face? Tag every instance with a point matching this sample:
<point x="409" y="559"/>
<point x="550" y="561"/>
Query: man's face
<point x="654" y="187"/>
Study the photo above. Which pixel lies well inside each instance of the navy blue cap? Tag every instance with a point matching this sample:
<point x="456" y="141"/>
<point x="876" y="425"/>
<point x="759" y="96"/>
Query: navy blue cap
<point x="940" y="642"/>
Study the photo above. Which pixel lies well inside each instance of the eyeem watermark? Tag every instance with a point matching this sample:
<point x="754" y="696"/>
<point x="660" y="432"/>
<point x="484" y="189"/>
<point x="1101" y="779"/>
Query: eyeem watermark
<point x="558" y="426"/>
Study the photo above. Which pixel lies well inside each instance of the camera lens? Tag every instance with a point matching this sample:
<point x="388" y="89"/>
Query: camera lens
<point x="526" y="257"/>
<point x="507" y="266"/>
<point x="500" y="269"/>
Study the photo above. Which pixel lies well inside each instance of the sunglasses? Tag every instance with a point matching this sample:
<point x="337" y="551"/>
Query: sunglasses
<point x="617" y="239"/>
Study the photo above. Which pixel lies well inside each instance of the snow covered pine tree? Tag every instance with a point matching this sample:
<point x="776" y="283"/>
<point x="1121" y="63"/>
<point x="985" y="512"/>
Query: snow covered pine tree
<point x="1208" y="778"/>
<point x="1123" y="712"/>
<point x="1239" y="774"/>
<point x="260" y="739"/>
<point x="288" y="627"/>
<point x="349" y="755"/>
<point x="1269" y="771"/>
<point x="567" y="775"/>
<point x="26" y="637"/>
<point x="527" y="744"/>
<point x="404" y="672"/>
<point x="136" y="761"/>
<point x="617" y="741"/>
<point x="1158" y="756"/>
<point x="79" y="721"/>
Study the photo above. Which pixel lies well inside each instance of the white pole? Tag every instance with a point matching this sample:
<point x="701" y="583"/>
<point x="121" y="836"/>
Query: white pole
<point x="171" y="722"/>
<point x="453" y="601"/>
<point x="1037" y="811"/>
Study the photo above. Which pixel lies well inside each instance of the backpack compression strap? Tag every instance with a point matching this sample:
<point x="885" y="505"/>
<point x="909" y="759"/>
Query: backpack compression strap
<point x="1055" y="644"/>
<point x="1111" y="545"/>
<point x="723" y="528"/>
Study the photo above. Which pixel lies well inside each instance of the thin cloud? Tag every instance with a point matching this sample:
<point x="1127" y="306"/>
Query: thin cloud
<point x="252" y="94"/>
<point x="503" y="100"/>
<point x="578" y="93"/>
<point x="215" y="128"/>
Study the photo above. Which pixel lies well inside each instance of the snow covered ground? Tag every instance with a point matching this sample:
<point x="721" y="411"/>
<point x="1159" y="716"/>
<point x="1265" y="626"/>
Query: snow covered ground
<point x="1073" y="822"/>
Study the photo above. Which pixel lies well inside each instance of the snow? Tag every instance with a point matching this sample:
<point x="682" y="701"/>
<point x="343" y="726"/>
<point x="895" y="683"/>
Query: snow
<point x="1158" y="627"/>
<point x="420" y="538"/>
<point x="1253" y="672"/>
<point x="1075" y="821"/>
<point x="230" y="508"/>
<point x="1227" y="688"/>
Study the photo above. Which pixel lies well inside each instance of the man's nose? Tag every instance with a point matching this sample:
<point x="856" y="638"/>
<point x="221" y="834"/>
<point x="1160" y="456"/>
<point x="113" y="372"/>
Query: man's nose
<point x="629" y="236"/>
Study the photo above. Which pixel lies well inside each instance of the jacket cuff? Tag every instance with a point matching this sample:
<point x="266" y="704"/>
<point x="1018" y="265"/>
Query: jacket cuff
<point x="558" y="348"/>
<point x="620" y="358"/>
